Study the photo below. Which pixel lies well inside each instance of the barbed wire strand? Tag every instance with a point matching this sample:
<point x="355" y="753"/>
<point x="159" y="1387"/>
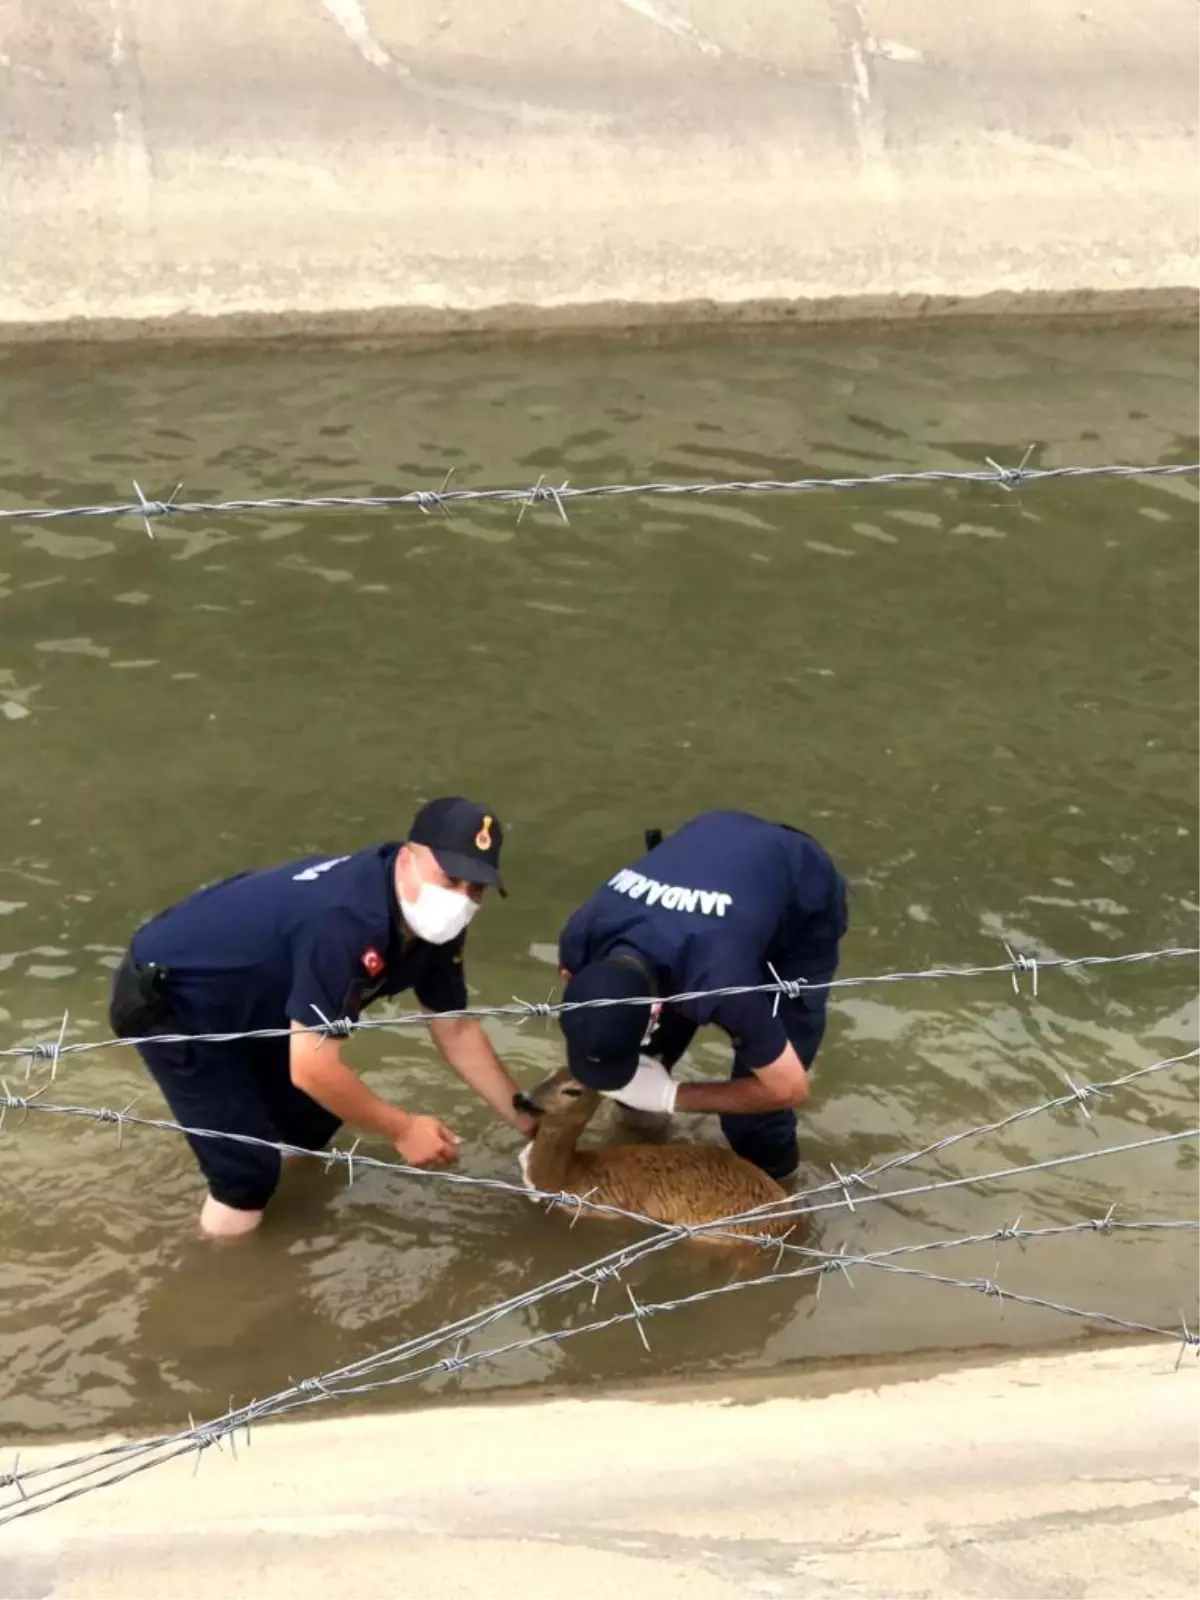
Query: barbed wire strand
<point x="595" y="1272"/>
<point x="351" y="1160"/>
<point x="1079" y="1095"/>
<point x="773" y="1211"/>
<point x="557" y="496"/>
<point x="798" y="1209"/>
<point x="351" y="1380"/>
<point x="605" y="1268"/>
<point x="855" y="1188"/>
<point x="522" y="1010"/>
<point x="612" y="1266"/>
<point x="620" y="1260"/>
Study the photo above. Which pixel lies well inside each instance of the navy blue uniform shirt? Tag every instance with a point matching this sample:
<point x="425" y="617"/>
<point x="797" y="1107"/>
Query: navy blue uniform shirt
<point x="720" y="901"/>
<point x="324" y="934"/>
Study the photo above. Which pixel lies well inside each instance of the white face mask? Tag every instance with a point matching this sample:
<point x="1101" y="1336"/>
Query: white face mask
<point x="438" y="915"/>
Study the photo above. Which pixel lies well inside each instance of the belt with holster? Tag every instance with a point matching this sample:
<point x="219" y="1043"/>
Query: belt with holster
<point x="139" y="1001"/>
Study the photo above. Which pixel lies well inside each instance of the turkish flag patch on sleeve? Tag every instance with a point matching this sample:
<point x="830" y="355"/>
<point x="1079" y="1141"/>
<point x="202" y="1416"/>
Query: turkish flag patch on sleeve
<point x="373" y="962"/>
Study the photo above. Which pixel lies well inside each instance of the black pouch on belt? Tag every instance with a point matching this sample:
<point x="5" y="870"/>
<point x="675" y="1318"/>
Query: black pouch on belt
<point x="139" y="1000"/>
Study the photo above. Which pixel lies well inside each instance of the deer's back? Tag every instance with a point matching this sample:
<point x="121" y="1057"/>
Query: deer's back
<point x="685" y="1183"/>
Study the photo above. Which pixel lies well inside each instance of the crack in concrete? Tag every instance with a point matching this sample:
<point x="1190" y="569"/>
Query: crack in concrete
<point x="858" y="48"/>
<point x="663" y="17"/>
<point x="130" y="148"/>
<point x="748" y="1557"/>
<point x="32" y="1578"/>
<point x="350" y="16"/>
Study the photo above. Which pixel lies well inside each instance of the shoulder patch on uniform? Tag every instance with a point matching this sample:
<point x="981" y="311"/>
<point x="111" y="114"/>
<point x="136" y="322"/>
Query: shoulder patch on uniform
<point x="373" y="962"/>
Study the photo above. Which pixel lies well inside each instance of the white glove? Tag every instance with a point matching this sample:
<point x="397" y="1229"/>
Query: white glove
<point x="650" y="1089"/>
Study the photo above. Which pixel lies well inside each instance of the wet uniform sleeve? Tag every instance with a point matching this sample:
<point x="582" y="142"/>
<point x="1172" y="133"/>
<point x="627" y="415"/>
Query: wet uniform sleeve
<point x="758" y="1037"/>
<point x="442" y="986"/>
<point x="572" y="943"/>
<point x="326" y="971"/>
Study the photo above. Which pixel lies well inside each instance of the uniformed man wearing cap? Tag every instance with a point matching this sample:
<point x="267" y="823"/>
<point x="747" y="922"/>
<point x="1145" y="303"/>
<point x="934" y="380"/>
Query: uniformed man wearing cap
<point x="314" y="941"/>
<point x="727" y="901"/>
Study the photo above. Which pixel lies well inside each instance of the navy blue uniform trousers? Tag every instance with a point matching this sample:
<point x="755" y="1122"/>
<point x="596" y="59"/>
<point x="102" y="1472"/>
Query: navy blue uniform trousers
<point x="243" y="1087"/>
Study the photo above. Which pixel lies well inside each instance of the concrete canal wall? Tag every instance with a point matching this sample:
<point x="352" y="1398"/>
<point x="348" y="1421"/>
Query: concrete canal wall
<point x="358" y="165"/>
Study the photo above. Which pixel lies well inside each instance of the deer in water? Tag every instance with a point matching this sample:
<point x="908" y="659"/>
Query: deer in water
<point x="673" y="1183"/>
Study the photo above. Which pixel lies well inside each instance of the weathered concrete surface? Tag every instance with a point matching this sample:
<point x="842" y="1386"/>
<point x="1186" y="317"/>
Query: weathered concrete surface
<point x="1067" y="1475"/>
<point x="424" y="163"/>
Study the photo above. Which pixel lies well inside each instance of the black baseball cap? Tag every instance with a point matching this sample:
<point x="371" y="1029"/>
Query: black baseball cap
<point x="465" y="838"/>
<point x="604" y="1042"/>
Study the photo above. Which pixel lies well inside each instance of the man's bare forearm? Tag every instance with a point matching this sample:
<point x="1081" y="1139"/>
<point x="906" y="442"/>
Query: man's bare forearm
<point x="318" y="1069"/>
<point x="779" y="1085"/>
<point x="467" y="1048"/>
<point x="737" y="1097"/>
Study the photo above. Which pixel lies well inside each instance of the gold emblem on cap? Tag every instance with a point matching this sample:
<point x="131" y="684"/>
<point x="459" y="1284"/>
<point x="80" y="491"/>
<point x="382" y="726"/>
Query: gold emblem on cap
<point x="483" y="839"/>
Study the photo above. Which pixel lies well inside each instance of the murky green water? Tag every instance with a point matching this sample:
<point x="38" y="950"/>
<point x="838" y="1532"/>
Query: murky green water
<point x="984" y="704"/>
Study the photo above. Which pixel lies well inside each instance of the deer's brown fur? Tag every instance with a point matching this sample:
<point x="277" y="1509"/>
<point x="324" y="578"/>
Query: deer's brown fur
<point x="673" y="1183"/>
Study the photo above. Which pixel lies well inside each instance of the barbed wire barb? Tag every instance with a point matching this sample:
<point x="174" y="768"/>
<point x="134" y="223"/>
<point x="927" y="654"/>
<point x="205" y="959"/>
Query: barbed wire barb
<point x="781" y="1244"/>
<point x="455" y="1362"/>
<point x="203" y="1436"/>
<point x="581" y="1201"/>
<point x="599" y="1277"/>
<point x="533" y="1008"/>
<point x="1022" y="963"/>
<point x="332" y="1027"/>
<point x="231" y="1434"/>
<point x="995" y="1289"/>
<point x="1013" y="1231"/>
<point x="540" y="493"/>
<point x="21" y="1102"/>
<point x="56" y="1047"/>
<point x="12" y="1480"/>
<point x="154" y="508"/>
<point x="1081" y="1093"/>
<point x="1010" y="477"/>
<point x="1104" y="1224"/>
<point x="122" y="1120"/>
<point x="789" y="987"/>
<point x="350" y="1155"/>
<point x="640" y="1313"/>
<point x="845" y="1182"/>
<point x="310" y="1386"/>
<point x="1188" y="1341"/>
<point x="117" y="1118"/>
<point x="424" y="499"/>
<point x="47" y="1052"/>
<point x="838" y="1262"/>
